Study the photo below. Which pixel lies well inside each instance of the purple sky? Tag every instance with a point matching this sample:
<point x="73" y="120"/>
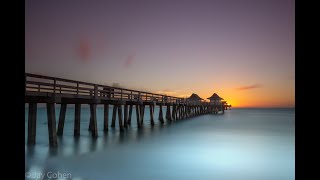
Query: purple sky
<point x="232" y="47"/>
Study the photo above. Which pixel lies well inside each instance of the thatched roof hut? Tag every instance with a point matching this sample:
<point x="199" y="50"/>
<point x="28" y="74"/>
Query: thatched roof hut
<point x="194" y="97"/>
<point x="215" y="97"/>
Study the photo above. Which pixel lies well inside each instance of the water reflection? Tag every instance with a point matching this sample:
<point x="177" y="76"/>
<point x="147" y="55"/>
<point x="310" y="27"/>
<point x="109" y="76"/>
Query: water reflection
<point x="93" y="145"/>
<point x="76" y="141"/>
<point x="53" y="151"/>
<point x="237" y="145"/>
<point x="30" y="151"/>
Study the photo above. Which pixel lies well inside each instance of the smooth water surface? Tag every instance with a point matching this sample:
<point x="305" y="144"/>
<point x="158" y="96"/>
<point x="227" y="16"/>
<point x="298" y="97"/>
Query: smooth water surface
<point x="248" y="144"/>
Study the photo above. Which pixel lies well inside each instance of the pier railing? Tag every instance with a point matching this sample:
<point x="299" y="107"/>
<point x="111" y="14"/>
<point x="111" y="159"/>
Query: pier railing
<point x="53" y="86"/>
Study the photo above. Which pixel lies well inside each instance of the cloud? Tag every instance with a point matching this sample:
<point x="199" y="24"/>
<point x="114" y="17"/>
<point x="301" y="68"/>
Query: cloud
<point x="249" y="87"/>
<point x="176" y="92"/>
<point x="84" y="49"/>
<point x="129" y="61"/>
<point x="167" y="92"/>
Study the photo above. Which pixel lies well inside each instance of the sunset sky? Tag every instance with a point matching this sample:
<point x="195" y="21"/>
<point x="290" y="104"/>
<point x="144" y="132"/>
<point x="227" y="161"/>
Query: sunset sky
<point x="243" y="50"/>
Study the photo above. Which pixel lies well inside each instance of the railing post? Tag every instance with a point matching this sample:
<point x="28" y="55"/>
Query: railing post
<point x="54" y="86"/>
<point x="95" y="91"/>
<point x="77" y="88"/>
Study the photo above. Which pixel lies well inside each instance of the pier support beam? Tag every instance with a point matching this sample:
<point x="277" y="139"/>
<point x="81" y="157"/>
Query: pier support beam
<point x="93" y="112"/>
<point x="120" y="117"/>
<point x="180" y="111"/>
<point x="62" y="118"/>
<point x="125" y="120"/>
<point x="32" y="119"/>
<point x="195" y="110"/>
<point x="168" y="113"/>
<point x="130" y="114"/>
<point x="138" y="115"/>
<point x="77" y="114"/>
<point x="114" y="115"/>
<point x="105" y="117"/>
<point x="161" y="114"/>
<point x="192" y="110"/>
<point x="52" y="125"/>
<point x="142" y="107"/>
<point x="185" y="111"/>
<point x="151" y="114"/>
<point x="174" y="112"/>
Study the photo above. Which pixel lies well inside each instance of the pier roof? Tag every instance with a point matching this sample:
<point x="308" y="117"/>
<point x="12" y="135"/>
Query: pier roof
<point x="215" y="97"/>
<point x="195" y="97"/>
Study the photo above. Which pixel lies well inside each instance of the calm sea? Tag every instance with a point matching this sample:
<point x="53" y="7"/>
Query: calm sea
<point x="242" y="144"/>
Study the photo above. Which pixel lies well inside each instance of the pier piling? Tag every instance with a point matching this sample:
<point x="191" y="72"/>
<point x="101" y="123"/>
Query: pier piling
<point x="105" y="117"/>
<point x="168" y="113"/>
<point x="120" y="117"/>
<point x="130" y="114"/>
<point x="138" y="115"/>
<point x="125" y="120"/>
<point x="77" y="114"/>
<point x="174" y="112"/>
<point x="62" y="118"/>
<point x="151" y="114"/>
<point x="32" y="119"/>
<point x="161" y="114"/>
<point x="114" y="115"/>
<point x="142" y="108"/>
<point x="52" y="125"/>
<point x="93" y="113"/>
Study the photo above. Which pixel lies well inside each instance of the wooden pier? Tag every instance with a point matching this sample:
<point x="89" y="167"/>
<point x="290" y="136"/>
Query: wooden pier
<point x="52" y="91"/>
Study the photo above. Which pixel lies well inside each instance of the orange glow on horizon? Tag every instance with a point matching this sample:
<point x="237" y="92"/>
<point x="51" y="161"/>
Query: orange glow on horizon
<point x="259" y="98"/>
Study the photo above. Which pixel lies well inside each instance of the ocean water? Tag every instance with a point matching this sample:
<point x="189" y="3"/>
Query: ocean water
<point x="242" y="144"/>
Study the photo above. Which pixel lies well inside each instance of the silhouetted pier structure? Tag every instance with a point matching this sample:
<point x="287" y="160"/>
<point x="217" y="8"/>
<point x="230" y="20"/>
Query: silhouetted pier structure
<point x="53" y="90"/>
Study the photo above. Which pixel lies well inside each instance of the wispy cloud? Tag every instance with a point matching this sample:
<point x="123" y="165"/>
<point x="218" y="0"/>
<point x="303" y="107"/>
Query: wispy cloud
<point x="249" y="87"/>
<point x="176" y="92"/>
<point x="129" y="61"/>
<point x="168" y="92"/>
<point x="84" y="49"/>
